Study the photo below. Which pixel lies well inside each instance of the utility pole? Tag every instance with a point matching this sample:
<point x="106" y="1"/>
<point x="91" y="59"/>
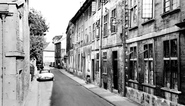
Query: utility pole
<point x="100" y="43"/>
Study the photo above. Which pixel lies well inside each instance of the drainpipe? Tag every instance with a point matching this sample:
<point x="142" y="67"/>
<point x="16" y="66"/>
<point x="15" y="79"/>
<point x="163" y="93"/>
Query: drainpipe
<point x="2" y="29"/>
<point x="100" y="45"/>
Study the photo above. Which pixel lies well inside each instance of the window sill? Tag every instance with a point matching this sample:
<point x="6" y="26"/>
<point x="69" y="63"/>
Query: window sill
<point x="181" y="24"/>
<point x="104" y="73"/>
<point x="15" y="54"/>
<point x="170" y="12"/>
<point x="171" y="90"/>
<point x="133" y="81"/>
<point x="132" y="28"/>
<point x="149" y="85"/>
<point x="112" y="33"/>
<point x="146" y="59"/>
<point x="105" y="36"/>
<point x="135" y="59"/>
<point x="147" y="22"/>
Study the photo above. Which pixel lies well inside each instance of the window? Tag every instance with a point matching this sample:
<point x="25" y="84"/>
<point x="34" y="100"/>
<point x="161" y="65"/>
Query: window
<point x="79" y="62"/>
<point x="106" y="1"/>
<point x="89" y="34"/>
<point x="82" y="34"/>
<point x="106" y="25"/>
<point x="133" y="63"/>
<point x="94" y="31"/>
<point x="170" y="64"/>
<point x="93" y="8"/>
<point x="149" y="64"/>
<point x="86" y="36"/>
<point x="86" y="15"/>
<point x="99" y="4"/>
<point x="133" y="13"/>
<point x="90" y="8"/>
<point x="78" y="38"/>
<point x="113" y="27"/>
<point x="98" y="28"/>
<point x="170" y="5"/>
<point x="147" y="9"/>
<point x="105" y="62"/>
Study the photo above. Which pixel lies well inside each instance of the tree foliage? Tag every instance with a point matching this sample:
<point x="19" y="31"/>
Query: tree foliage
<point x="38" y="28"/>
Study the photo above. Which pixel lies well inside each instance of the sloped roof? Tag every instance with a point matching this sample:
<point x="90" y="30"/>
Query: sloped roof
<point x="50" y="47"/>
<point x="46" y="45"/>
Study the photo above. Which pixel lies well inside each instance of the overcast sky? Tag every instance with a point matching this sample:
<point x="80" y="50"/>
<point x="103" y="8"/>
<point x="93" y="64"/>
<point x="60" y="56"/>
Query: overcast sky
<point x="57" y="13"/>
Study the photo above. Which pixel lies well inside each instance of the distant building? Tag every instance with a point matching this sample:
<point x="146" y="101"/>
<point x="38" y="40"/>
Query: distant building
<point x="49" y="54"/>
<point x="60" y="50"/>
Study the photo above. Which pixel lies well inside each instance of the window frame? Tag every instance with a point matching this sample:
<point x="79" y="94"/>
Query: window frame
<point x="149" y="58"/>
<point x="105" y="30"/>
<point x="133" y="8"/>
<point x="98" y="29"/>
<point x="94" y="31"/>
<point x="149" y="19"/>
<point x="171" y="8"/>
<point x="114" y="16"/>
<point x="170" y="58"/>
<point x="104" y="62"/>
<point x="133" y="60"/>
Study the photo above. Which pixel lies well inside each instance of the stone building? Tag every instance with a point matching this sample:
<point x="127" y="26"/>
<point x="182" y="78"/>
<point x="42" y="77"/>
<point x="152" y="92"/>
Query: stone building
<point x="155" y="51"/>
<point x="60" y="50"/>
<point x="142" y="48"/>
<point x="91" y="25"/>
<point x="14" y="52"/>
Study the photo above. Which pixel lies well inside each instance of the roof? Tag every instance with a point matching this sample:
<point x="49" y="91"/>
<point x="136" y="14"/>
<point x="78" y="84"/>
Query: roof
<point x="81" y="10"/>
<point x="50" y="47"/>
<point x="46" y="44"/>
<point x="57" y="38"/>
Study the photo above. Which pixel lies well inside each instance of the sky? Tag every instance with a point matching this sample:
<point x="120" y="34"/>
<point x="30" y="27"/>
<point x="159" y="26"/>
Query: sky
<point x="57" y="14"/>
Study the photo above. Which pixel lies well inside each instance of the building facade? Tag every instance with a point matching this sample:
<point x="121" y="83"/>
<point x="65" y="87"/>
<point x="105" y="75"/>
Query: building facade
<point x="138" y="43"/>
<point x="90" y="30"/>
<point x="14" y="52"/>
<point x="60" y="50"/>
<point x="154" y="57"/>
<point x="49" y="54"/>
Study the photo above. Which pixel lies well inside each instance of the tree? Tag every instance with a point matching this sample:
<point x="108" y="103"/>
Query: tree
<point x="38" y="28"/>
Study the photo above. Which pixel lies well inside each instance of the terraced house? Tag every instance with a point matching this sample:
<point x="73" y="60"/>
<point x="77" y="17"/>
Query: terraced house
<point x="134" y="47"/>
<point x="90" y="33"/>
<point x="155" y="51"/>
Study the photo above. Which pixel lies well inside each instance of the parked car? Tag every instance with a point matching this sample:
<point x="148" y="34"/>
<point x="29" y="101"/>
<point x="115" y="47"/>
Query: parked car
<point x="45" y="75"/>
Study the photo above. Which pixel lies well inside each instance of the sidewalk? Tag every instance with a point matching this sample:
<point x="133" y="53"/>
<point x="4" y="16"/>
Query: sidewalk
<point x="32" y="97"/>
<point x="112" y="98"/>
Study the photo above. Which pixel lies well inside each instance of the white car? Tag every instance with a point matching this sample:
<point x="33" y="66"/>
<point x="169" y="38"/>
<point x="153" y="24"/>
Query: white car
<point x="45" y="75"/>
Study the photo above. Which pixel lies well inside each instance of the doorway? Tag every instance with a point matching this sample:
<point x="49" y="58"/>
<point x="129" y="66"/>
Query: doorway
<point x="93" y="72"/>
<point x="115" y="69"/>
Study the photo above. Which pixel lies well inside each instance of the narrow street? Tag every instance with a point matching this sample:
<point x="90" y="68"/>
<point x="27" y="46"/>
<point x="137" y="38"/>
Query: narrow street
<point x="66" y="92"/>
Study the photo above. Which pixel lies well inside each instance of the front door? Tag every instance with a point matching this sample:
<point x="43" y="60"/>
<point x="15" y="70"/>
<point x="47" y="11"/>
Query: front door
<point x="115" y="69"/>
<point x="93" y="72"/>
